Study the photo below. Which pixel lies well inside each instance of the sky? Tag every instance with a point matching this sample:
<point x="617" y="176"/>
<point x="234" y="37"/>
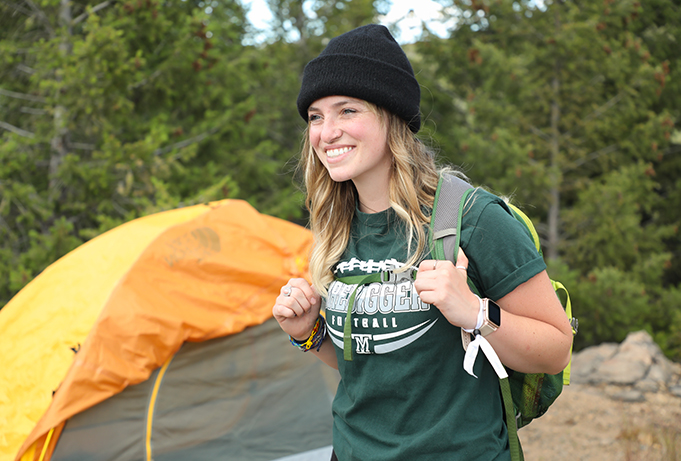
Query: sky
<point x="409" y="13"/>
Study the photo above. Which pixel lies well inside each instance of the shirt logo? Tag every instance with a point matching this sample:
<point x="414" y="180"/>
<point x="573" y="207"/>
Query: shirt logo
<point x="382" y="315"/>
<point x="383" y="343"/>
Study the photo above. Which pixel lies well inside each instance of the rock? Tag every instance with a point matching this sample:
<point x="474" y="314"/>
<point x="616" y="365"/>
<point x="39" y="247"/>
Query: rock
<point x="629" y="365"/>
<point x="675" y="390"/>
<point x="624" y="370"/>
<point x="586" y="362"/>
<point x="659" y="372"/>
<point x="647" y="385"/>
<point x="637" y="363"/>
<point x="641" y="339"/>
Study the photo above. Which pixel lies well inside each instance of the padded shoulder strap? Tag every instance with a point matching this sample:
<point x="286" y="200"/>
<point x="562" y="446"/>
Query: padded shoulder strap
<point x="444" y="224"/>
<point x="446" y="218"/>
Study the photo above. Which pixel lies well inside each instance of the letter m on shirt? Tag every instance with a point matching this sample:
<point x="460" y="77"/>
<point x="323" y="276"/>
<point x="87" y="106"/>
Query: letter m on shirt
<point x="362" y="343"/>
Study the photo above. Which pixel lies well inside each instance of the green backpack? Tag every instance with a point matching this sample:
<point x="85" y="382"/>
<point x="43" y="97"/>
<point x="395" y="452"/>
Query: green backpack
<point x="525" y="396"/>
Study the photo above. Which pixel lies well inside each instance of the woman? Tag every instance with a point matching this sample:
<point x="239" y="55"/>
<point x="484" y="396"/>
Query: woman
<point x="404" y="395"/>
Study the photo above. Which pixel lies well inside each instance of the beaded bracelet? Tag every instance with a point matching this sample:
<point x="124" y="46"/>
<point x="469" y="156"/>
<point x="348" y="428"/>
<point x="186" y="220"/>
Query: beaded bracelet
<point x="316" y="337"/>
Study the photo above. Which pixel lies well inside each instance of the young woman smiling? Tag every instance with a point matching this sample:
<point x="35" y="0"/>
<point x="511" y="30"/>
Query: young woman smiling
<point x="370" y="184"/>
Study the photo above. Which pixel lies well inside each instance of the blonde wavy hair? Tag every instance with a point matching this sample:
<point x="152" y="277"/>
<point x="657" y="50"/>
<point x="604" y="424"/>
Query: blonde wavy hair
<point x="413" y="182"/>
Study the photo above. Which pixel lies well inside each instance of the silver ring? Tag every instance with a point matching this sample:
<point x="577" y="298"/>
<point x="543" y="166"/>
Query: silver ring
<point x="435" y="265"/>
<point x="462" y="267"/>
<point x="287" y="291"/>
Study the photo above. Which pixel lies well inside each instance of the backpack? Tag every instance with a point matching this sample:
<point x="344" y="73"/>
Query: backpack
<point x="525" y="396"/>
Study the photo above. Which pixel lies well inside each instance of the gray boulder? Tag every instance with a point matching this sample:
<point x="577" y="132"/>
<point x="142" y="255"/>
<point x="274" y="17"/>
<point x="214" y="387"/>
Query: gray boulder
<point x="637" y="363"/>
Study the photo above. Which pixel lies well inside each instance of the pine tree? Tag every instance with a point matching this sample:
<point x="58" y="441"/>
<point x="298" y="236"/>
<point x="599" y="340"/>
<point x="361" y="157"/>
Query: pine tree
<point x="102" y="105"/>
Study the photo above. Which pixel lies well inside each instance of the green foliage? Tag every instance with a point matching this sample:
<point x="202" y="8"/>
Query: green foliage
<point x="608" y="229"/>
<point x="611" y="303"/>
<point x="104" y="109"/>
<point x="667" y="322"/>
<point x="44" y="248"/>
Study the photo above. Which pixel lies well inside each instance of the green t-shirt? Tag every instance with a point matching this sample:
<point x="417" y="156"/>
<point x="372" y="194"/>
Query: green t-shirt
<point x="405" y="395"/>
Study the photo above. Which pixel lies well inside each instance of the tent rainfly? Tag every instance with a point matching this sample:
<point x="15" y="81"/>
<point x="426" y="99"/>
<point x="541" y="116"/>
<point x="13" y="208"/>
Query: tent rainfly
<point x="155" y="340"/>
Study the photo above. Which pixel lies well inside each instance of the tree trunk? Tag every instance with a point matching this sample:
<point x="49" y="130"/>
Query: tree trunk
<point x="60" y="137"/>
<point x="553" y="237"/>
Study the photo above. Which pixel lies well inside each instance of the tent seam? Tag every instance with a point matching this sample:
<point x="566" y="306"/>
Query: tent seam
<point x="152" y="405"/>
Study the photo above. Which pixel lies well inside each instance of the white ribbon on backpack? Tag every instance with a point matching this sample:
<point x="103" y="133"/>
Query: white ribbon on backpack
<point x="472" y="348"/>
<point x="488" y="350"/>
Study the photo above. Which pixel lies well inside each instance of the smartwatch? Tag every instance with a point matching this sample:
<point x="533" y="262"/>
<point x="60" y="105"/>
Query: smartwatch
<point x="491" y="317"/>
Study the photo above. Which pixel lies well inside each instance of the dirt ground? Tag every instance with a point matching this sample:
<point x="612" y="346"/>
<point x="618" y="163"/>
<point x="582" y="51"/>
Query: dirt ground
<point x="586" y="424"/>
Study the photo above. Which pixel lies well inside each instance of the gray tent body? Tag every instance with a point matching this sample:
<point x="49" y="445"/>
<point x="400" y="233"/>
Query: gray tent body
<point x="249" y="396"/>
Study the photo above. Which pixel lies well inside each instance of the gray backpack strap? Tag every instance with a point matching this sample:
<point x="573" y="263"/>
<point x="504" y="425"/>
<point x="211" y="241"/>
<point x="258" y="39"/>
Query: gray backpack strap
<point x="444" y="224"/>
<point x="446" y="218"/>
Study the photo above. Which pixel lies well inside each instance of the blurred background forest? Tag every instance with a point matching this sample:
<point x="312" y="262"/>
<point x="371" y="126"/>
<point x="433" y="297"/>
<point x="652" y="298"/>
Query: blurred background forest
<point x="111" y="110"/>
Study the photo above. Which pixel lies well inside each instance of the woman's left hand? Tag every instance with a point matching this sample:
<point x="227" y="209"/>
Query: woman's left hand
<point x="445" y="286"/>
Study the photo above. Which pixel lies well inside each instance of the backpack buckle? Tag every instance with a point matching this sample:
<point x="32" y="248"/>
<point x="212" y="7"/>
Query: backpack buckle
<point x="574" y="323"/>
<point x="390" y="276"/>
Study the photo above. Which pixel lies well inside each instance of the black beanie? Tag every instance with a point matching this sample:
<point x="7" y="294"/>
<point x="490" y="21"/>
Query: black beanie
<point x="365" y="63"/>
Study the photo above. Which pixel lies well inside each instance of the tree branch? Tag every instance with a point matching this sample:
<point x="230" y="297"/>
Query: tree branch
<point x="672" y="150"/>
<point x="42" y="17"/>
<point x="14" y="129"/>
<point x="597" y="113"/>
<point x="18" y="8"/>
<point x="82" y="146"/>
<point x="94" y="9"/>
<point x="592" y="156"/>
<point x="27" y="97"/>
<point x="187" y="142"/>
<point x="539" y="133"/>
<point x="32" y="110"/>
<point x="145" y="80"/>
<point x="600" y="110"/>
<point x="24" y="68"/>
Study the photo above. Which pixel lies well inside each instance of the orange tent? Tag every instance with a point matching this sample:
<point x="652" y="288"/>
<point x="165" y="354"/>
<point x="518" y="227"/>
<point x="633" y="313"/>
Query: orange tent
<point x="96" y="325"/>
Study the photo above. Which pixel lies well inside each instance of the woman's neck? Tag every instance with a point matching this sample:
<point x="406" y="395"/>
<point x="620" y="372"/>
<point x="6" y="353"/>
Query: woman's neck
<point x="373" y="203"/>
<point x="373" y="193"/>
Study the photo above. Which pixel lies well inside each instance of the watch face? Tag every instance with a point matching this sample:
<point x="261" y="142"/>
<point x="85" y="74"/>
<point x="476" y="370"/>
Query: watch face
<point x="494" y="313"/>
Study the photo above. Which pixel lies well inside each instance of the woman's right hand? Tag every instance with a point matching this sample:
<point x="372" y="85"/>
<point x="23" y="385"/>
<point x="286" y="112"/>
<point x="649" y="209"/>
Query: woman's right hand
<point x="297" y="308"/>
